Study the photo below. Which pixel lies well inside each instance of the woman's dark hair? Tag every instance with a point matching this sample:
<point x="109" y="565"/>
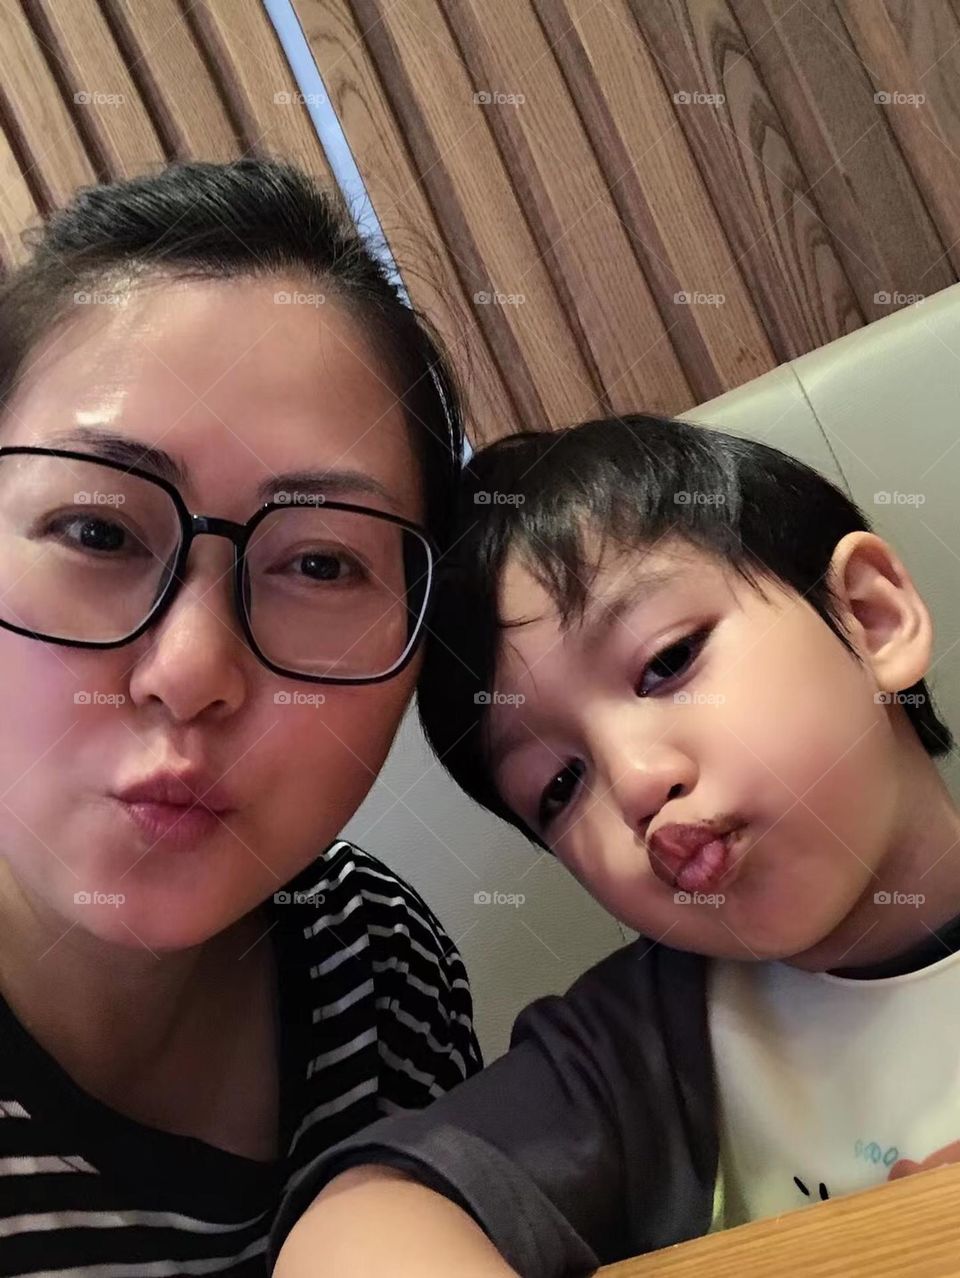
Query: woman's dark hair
<point x="631" y="481"/>
<point x="212" y="221"/>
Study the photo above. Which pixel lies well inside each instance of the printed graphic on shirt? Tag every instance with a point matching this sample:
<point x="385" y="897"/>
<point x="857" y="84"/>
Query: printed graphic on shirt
<point x="828" y="1085"/>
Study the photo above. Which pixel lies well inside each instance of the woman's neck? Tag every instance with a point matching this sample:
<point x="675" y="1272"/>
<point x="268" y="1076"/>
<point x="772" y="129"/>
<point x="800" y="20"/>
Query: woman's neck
<point x="110" y="1015"/>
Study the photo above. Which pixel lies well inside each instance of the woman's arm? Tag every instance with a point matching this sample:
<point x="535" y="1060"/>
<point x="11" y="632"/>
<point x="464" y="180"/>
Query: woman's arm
<point x="410" y="1232"/>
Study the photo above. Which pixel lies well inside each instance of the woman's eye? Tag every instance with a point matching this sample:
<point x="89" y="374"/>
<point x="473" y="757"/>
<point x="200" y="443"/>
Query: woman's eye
<point x="671" y="662"/>
<point x="326" y="566"/>
<point x="559" y="792"/>
<point x="83" y="532"/>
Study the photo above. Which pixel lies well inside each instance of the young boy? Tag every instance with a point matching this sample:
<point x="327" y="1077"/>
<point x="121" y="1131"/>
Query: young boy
<point x="715" y="716"/>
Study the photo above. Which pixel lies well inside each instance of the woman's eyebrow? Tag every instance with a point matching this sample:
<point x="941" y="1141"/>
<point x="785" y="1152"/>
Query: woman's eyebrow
<point x="131" y="452"/>
<point x="123" y="450"/>
<point x="318" y="483"/>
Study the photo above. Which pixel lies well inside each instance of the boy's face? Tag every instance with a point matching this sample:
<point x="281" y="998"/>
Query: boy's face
<point x="685" y="698"/>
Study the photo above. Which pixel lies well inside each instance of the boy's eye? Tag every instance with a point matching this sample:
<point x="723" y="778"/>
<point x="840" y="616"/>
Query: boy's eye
<point x="672" y="661"/>
<point x="559" y="792"/>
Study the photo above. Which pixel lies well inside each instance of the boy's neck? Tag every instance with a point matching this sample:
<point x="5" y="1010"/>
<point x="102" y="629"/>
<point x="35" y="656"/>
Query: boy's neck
<point x="923" y="864"/>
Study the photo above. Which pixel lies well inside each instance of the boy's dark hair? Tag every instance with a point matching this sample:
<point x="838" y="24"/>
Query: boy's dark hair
<point x="253" y="217"/>
<point x="632" y="480"/>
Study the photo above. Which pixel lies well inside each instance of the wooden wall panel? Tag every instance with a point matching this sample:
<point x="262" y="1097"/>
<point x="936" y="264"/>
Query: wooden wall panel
<point x="431" y="270"/>
<point x="110" y="114"/>
<point x="737" y="155"/>
<point x="102" y="89"/>
<point x="188" y="112"/>
<point x="461" y="168"/>
<point x="850" y="158"/>
<point x="631" y="204"/>
<point x="578" y="234"/>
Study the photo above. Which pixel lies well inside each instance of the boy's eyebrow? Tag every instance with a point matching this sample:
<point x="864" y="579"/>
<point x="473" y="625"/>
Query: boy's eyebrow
<point x="131" y="452"/>
<point x="596" y="625"/>
<point x="606" y="613"/>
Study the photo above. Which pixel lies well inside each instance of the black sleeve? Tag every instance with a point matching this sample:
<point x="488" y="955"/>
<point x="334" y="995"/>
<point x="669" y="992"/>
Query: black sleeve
<point x="594" y="1138"/>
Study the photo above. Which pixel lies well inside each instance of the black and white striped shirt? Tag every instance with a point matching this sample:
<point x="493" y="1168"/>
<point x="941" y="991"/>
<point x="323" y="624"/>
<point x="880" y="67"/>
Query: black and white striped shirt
<point x="376" y="1016"/>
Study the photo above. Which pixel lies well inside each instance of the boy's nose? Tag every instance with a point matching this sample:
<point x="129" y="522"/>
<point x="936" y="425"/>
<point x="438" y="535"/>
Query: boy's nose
<point x="642" y="782"/>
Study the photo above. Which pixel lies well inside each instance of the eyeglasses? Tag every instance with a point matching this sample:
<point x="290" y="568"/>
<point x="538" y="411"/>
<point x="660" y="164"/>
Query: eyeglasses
<point x="93" y="553"/>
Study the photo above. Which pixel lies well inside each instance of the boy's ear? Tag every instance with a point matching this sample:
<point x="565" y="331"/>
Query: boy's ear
<point x="887" y="620"/>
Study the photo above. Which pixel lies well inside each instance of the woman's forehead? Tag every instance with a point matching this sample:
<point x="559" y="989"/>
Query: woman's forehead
<point x="232" y="383"/>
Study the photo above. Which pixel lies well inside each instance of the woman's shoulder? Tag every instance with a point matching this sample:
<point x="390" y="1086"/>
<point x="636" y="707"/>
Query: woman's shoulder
<point x="353" y="891"/>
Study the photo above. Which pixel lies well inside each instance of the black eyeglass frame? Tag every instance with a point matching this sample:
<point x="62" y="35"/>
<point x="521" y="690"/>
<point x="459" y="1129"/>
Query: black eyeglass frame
<point x="193" y="526"/>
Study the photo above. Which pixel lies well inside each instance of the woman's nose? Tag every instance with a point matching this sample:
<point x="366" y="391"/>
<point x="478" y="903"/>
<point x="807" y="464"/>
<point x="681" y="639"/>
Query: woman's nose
<point x="195" y="660"/>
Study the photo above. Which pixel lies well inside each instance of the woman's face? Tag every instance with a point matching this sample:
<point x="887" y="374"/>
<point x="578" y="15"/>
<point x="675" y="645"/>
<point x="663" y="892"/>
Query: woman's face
<point x="237" y="389"/>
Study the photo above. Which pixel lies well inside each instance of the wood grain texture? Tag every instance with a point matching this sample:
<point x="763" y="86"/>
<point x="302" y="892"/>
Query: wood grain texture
<point x="255" y="80"/>
<point x="429" y="267"/>
<point x="909" y="1226"/>
<point x="864" y="187"/>
<point x="177" y="88"/>
<point x="579" y="236"/>
<point x="39" y="126"/>
<point x="109" y="113"/>
<point x="449" y="136"/>
<point x="693" y="191"/>
<point x="660" y="197"/>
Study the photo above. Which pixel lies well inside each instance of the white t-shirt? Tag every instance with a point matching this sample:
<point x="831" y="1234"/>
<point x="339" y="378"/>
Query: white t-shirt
<point x="825" y="1082"/>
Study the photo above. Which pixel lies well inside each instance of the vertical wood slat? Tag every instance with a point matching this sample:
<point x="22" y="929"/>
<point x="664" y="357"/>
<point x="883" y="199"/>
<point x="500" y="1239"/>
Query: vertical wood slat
<point x="751" y="170"/>
<point x="579" y="236"/>
<point x="39" y="126"/>
<point x="17" y="207"/>
<point x="257" y="82"/>
<point x="864" y="188"/>
<point x="659" y="194"/>
<point x="927" y="129"/>
<point x="109" y="110"/>
<point x="429" y="267"/>
<point x="162" y="55"/>
<point x="460" y="166"/>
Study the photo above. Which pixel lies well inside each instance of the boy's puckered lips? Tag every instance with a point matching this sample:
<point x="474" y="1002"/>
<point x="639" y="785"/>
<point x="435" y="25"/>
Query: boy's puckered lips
<point x="692" y="857"/>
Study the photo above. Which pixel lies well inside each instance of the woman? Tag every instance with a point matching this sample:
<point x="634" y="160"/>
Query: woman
<point x="195" y="997"/>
